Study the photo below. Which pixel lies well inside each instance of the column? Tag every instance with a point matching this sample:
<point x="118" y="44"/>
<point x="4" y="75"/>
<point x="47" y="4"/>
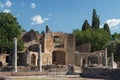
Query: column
<point x="40" y="58"/>
<point x="112" y="60"/>
<point x="15" y="54"/>
<point x="28" y="60"/>
<point x="106" y="61"/>
<point x="81" y="61"/>
<point x="86" y="62"/>
<point x="47" y="61"/>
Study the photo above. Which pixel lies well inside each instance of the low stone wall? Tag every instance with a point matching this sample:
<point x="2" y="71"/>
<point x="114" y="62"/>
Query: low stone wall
<point x="103" y="73"/>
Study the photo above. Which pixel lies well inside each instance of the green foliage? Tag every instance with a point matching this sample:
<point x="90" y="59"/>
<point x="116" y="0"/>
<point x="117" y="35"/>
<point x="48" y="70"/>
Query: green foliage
<point x="85" y="25"/>
<point x="106" y="27"/>
<point x="9" y="28"/>
<point x="97" y="38"/>
<point x="20" y="44"/>
<point x="116" y="36"/>
<point x="79" y="35"/>
<point x="95" y="20"/>
<point x="114" y="47"/>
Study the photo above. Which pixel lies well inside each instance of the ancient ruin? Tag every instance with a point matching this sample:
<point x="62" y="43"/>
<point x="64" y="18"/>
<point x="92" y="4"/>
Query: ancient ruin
<point x="54" y="48"/>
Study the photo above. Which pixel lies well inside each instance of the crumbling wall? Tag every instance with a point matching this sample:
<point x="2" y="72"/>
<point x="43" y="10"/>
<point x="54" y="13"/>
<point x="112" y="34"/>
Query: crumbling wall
<point x="3" y="59"/>
<point x="105" y="73"/>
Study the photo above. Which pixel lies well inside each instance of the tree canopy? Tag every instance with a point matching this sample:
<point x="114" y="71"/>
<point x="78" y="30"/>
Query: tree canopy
<point x="94" y="37"/>
<point x="99" y="38"/>
<point x="114" y="46"/>
<point x="9" y="28"/>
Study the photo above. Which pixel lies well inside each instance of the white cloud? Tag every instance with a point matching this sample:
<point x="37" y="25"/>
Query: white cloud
<point x="37" y="19"/>
<point x="33" y="5"/>
<point x="8" y="3"/>
<point x="6" y="11"/>
<point x="113" y="23"/>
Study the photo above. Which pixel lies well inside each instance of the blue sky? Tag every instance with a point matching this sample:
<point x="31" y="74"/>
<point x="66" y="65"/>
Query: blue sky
<point x="62" y="15"/>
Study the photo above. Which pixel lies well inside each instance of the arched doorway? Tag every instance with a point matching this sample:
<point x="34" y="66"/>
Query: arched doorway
<point x="92" y="59"/>
<point x="33" y="60"/>
<point x="58" y="57"/>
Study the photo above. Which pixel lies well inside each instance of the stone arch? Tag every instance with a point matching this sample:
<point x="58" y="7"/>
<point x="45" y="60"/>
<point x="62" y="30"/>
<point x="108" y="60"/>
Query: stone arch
<point x="33" y="59"/>
<point x="92" y="59"/>
<point x="59" y="57"/>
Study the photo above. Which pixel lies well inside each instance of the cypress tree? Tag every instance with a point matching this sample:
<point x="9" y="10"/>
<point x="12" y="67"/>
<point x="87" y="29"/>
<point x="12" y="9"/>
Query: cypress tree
<point x="85" y="25"/>
<point x="95" y="20"/>
<point x="106" y="27"/>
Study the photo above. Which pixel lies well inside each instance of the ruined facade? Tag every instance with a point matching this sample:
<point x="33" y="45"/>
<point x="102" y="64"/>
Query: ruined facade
<point x="84" y="57"/>
<point x="57" y="48"/>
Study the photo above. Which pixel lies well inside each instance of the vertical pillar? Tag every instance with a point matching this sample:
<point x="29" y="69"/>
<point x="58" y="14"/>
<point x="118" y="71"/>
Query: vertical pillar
<point x="40" y="58"/>
<point x="15" y="54"/>
<point x="86" y="62"/>
<point x="28" y="60"/>
<point x="47" y="61"/>
<point x="112" y="60"/>
<point x="81" y="61"/>
<point x="106" y="61"/>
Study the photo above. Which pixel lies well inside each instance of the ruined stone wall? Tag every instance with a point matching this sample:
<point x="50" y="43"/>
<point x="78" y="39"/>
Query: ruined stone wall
<point x="46" y="58"/>
<point x="81" y="58"/>
<point x="70" y="49"/>
<point x="3" y="59"/>
<point x="105" y="73"/>
<point x="59" y="42"/>
<point x="51" y="42"/>
<point x="84" y="48"/>
<point x="31" y="35"/>
<point x="48" y="43"/>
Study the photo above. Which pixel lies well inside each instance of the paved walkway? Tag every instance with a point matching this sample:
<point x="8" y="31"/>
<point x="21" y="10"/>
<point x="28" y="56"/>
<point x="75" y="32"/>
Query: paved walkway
<point x="46" y="78"/>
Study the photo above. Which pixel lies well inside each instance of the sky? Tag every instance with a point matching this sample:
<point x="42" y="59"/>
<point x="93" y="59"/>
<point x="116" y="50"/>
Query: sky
<point x="62" y="15"/>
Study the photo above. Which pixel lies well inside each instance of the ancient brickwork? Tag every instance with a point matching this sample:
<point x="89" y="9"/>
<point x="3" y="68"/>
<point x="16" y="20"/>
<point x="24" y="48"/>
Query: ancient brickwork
<point x="84" y="57"/>
<point x="3" y="59"/>
<point x="84" y="48"/>
<point x="57" y="48"/>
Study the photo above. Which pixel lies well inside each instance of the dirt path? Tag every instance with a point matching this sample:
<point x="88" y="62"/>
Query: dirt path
<point x="45" y="78"/>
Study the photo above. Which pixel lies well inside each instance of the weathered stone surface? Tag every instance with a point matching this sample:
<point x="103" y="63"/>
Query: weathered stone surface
<point x="105" y="73"/>
<point x="70" y="70"/>
<point x="84" y="48"/>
